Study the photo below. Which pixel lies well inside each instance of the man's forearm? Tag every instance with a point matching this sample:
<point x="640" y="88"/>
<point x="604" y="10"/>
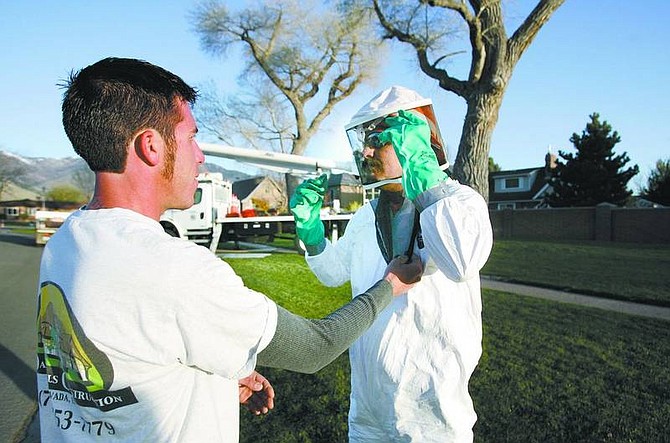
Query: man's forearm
<point x="307" y="345"/>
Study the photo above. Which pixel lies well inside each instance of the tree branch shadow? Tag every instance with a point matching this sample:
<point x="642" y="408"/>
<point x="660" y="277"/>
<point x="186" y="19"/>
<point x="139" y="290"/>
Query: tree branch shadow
<point x="17" y="239"/>
<point x="20" y="373"/>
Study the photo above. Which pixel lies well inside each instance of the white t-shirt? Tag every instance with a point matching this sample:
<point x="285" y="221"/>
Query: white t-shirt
<point x="142" y="337"/>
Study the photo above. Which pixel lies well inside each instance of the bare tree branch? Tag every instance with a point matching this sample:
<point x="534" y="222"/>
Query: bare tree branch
<point x="493" y="58"/>
<point x="528" y="30"/>
<point x="392" y="30"/>
<point x="475" y="33"/>
<point x="310" y="70"/>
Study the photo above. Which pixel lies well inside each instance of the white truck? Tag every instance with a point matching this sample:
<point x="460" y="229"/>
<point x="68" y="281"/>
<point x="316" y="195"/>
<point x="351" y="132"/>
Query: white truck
<point x="46" y="223"/>
<point x="210" y="219"/>
<point x="215" y="217"/>
<point x="202" y="223"/>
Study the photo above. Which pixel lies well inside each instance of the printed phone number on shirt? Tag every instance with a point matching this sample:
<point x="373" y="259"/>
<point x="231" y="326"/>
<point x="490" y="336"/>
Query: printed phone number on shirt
<point x="65" y="420"/>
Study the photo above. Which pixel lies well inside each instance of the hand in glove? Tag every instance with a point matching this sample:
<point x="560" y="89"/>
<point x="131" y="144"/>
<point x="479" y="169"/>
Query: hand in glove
<point x="305" y="206"/>
<point x="410" y="136"/>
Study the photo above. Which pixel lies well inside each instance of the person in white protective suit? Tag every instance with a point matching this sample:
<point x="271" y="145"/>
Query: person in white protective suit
<point x="410" y="370"/>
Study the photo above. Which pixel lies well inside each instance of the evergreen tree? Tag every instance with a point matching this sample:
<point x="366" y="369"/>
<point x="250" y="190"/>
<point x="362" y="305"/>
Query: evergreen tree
<point x="594" y="174"/>
<point x="493" y="166"/>
<point x="658" y="184"/>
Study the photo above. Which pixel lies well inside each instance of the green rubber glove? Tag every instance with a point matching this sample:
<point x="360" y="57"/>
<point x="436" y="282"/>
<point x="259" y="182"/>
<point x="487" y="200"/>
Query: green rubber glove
<point x="410" y="136"/>
<point x="305" y="206"/>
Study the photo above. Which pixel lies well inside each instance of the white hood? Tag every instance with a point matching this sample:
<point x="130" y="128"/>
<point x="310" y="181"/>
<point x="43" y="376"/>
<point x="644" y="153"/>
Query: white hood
<point x="386" y="102"/>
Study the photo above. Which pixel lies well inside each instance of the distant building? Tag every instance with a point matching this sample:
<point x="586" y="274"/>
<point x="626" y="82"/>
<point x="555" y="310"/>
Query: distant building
<point x="521" y="188"/>
<point x="25" y="209"/>
<point x="19" y="209"/>
<point x="344" y="191"/>
<point x="261" y="194"/>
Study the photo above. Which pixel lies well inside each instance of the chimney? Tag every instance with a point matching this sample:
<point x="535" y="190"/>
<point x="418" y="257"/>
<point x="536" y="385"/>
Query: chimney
<point x="550" y="161"/>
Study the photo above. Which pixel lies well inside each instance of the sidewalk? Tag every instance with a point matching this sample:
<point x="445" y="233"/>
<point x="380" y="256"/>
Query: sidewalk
<point x="625" y="307"/>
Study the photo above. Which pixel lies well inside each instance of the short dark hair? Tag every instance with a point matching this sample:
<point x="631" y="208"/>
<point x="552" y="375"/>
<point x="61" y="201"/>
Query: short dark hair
<point x="108" y="102"/>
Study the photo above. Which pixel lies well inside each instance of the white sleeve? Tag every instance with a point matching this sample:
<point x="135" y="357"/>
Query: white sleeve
<point x="333" y="265"/>
<point x="456" y="229"/>
<point x="223" y="323"/>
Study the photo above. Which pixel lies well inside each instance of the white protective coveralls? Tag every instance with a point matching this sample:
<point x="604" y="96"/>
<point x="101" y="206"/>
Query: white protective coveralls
<point x="410" y="370"/>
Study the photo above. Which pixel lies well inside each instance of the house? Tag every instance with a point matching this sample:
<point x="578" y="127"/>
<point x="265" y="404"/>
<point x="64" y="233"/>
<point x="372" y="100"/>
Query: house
<point x="25" y="209"/>
<point x="521" y="188"/>
<point x="345" y="192"/>
<point x="19" y="209"/>
<point x="261" y="194"/>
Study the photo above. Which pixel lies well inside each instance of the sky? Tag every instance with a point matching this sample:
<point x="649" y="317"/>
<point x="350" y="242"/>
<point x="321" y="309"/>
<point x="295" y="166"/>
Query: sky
<point x="604" y="56"/>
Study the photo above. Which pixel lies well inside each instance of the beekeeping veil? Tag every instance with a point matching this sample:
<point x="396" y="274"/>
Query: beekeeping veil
<point x="369" y="120"/>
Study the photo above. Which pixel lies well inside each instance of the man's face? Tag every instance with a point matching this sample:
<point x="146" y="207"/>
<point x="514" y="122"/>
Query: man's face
<point x="382" y="162"/>
<point x="185" y="162"/>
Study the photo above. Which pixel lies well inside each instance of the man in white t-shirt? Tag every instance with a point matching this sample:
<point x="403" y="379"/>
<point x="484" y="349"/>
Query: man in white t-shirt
<point x="145" y="337"/>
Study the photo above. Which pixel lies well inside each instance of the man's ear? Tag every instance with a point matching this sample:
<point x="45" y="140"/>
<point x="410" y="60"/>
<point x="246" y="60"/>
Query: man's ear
<point x="149" y="146"/>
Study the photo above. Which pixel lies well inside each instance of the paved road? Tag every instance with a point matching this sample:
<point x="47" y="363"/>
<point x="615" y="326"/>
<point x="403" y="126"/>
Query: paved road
<point x="19" y="262"/>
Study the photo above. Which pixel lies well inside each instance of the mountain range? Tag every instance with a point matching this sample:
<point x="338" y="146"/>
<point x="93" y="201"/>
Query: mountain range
<point x="30" y="177"/>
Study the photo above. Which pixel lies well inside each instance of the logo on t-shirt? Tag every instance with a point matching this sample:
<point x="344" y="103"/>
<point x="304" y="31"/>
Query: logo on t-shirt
<point x="76" y="369"/>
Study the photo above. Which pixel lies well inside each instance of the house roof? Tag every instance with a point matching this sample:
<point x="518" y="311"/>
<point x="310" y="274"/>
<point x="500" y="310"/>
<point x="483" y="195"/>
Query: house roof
<point x="243" y="188"/>
<point x="29" y="203"/>
<point x="26" y="203"/>
<point x="343" y="179"/>
<point x="537" y="180"/>
<point x="523" y="171"/>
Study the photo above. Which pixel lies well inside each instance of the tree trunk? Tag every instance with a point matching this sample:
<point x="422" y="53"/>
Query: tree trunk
<point x="471" y="165"/>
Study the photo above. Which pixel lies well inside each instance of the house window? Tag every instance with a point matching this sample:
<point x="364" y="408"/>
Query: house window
<point x="516" y="183"/>
<point x="12" y="212"/>
<point x="371" y="194"/>
<point x="512" y="183"/>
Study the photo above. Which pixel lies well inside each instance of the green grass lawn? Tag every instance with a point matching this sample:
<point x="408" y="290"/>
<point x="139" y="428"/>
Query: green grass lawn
<point x="554" y="372"/>
<point x="19" y="229"/>
<point x="550" y="372"/>
<point x="624" y="271"/>
<point x="633" y="272"/>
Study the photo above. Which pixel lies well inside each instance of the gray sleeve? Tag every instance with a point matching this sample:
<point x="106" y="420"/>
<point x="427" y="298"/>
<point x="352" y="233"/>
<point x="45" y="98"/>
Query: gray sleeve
<point x="445" y="188"/>
<point x="307" y="345"/>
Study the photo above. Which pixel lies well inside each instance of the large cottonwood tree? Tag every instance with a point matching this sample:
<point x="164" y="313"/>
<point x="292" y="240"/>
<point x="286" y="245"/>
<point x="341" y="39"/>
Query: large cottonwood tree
<point x="300" y="60"/>
<point x="431" y="28"/>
